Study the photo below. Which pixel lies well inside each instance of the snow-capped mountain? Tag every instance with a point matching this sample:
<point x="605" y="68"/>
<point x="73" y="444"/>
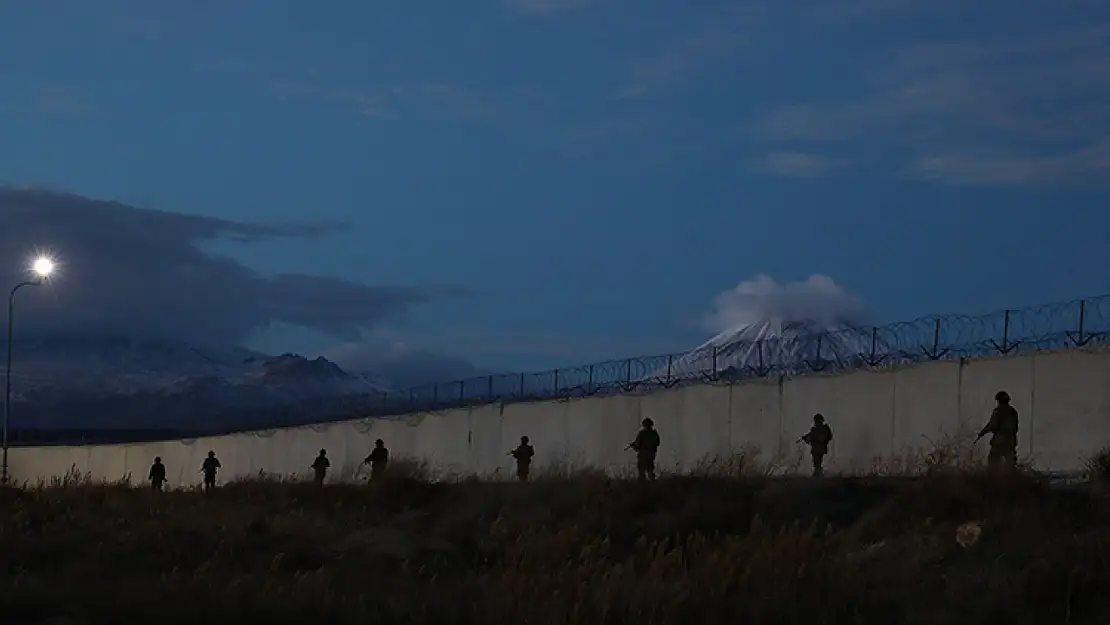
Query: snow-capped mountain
<point x="778" y="345"/>
<point x="119" y="382"/>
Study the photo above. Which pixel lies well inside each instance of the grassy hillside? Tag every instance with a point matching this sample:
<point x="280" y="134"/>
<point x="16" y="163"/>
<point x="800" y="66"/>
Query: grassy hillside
<point x="571" y="549"/>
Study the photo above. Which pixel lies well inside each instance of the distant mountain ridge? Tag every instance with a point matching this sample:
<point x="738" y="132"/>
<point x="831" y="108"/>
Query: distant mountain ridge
<point x="112" y="381"/>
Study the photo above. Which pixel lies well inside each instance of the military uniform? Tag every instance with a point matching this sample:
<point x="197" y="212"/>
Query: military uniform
<point x="646" y="446"/>
<point x="320" y="466"/>
<point x="523" y="455"/>
<point x="1003" y="427"/>
<point x="818" y="439"/>
<point x="157" y="474"/>
<point x="210" y="466"/>
<point x="378" y="460"/>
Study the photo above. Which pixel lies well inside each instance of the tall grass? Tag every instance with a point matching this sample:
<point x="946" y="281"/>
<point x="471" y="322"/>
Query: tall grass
<point x="720" y="544"/>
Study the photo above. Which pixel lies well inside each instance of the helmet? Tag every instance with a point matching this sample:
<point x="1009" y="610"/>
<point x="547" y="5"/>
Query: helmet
<point x="819" y="418"/>
<point x="1002" y="396"/>
<point x="379" y="442"/>
<point x="648" y="422"/>
<point x="524" y="439"/>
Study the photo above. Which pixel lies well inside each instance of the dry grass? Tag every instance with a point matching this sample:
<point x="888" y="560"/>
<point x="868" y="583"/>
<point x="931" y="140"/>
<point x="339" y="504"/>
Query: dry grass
<point x="723" y="545"/>
<point x="1099" y="466"/>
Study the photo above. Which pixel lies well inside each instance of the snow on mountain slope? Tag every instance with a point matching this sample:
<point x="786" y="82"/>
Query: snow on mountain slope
<point x="113" y="381"/>
<point x="777" y="344"/>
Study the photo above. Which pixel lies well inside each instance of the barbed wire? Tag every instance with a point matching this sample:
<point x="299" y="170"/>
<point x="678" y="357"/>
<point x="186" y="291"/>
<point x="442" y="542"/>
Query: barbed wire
<point x="1076" y="323"/>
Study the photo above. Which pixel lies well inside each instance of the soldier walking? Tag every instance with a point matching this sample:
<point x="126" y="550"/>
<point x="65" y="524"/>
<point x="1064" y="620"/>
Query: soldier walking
<point x="210" y="466"/>
<point x="523" y="455"/>
<point x="646" y="446"/>
<point x="320" y="466"/>
<point x="1003" y="428"/>
<point x="378" y="459"/>
<point x="818" y="439"/>
<point x="157" y="475"/>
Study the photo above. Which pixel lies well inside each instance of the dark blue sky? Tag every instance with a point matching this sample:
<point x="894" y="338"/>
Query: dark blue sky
<point x="593" y="173"/>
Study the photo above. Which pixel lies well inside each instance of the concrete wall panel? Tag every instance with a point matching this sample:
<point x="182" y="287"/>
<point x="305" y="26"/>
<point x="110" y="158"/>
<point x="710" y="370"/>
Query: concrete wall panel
<point x="35" y="465"/>
<point x="1070" y="418"/>
<point x="1063" y="399"/>
<point x="79" y="459"/>
<point x="863" y="424"/>
<point x="487" y="447"/>
<point x="443" y="438"/>
<point x="926" y="404"/>
<point x="138" y="460"/>
<point x="593" y="433"/>
<point x="755" y="417"/>
<point x="706" y="424"/>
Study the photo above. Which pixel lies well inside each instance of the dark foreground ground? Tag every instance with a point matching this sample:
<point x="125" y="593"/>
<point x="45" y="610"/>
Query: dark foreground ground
<point x="689" y="551"/>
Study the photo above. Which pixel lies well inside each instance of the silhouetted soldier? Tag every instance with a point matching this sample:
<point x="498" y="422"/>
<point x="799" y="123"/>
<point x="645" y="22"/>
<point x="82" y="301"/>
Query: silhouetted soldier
<point x="818" y="439"/>
<point x="1003" y="428"/>
<point x="320" y="465"/>
<point x="646" y="446"/>
<point x="378" y="459"/>
<point x="157" y="474"/>
<point x="209" y="467"/>
<point x="523" y="454"/>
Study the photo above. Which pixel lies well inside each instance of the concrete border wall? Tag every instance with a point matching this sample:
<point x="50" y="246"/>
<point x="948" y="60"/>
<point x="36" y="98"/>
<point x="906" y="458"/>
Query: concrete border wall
<point x="1061" y="396"/>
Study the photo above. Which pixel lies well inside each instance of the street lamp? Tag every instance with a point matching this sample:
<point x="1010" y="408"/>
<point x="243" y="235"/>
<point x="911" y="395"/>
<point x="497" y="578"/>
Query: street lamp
<point x="41" y="269"/>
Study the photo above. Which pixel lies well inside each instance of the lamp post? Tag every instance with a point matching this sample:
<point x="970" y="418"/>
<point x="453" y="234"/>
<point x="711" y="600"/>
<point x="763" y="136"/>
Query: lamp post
<point x="41" y="268"/>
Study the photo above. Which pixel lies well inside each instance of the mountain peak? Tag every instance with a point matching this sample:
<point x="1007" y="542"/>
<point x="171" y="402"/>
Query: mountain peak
<point x="289" y="366"/>
<point x="776" y="344"/>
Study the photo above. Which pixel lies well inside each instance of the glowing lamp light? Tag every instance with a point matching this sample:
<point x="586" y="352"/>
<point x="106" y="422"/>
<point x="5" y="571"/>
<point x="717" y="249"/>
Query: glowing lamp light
<point x="43" y="267"/>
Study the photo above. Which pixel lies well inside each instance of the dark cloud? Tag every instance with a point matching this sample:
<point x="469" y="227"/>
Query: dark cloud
<point x="143" y="273"/>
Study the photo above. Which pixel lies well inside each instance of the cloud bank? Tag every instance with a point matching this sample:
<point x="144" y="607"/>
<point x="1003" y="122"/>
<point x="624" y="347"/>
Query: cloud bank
<point x="818" y="298"/>
<point x="142" y="273"/>
<point x="401" y="364"/>
<point x="1027" y="108"/>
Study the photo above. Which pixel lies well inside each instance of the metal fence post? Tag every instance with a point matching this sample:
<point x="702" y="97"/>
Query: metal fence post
<point x="936" y="338"/>
<point x="1078" y="339"/>
<point x="1082" y="318"/>
<point x="1005" y="330"/>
